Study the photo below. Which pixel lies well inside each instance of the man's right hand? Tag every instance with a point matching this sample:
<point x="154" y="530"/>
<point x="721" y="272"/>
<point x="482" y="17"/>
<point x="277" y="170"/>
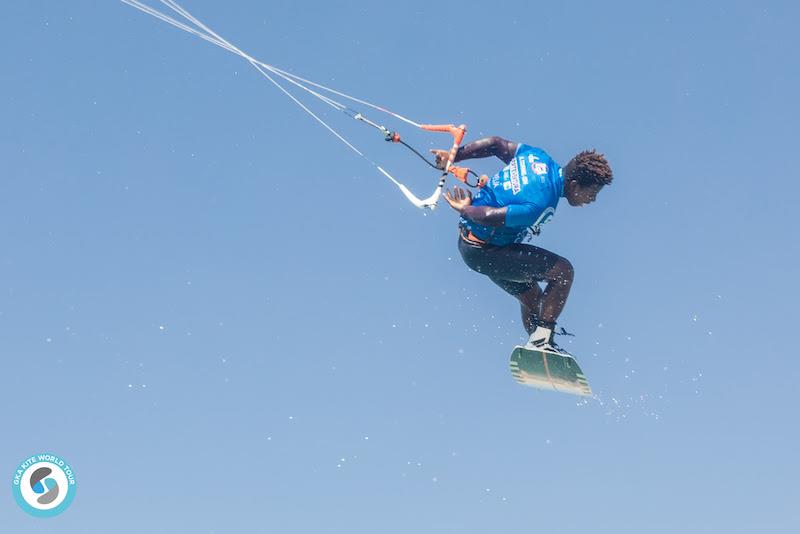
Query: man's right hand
<point x="441" y="158"/>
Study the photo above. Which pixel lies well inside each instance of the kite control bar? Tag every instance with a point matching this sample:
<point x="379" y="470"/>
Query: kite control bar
<point x="460" y="173"/>
<point x="457" y="132"/>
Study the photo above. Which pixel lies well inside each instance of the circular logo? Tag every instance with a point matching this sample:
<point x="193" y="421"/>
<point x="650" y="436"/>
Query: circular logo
<point x="44" y="485"/>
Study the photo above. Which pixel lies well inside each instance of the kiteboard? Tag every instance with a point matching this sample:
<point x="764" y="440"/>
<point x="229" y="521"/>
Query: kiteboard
<point x="548" y="370"/>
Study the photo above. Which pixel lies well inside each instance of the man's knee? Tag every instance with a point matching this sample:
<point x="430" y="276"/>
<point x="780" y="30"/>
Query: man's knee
<point x="562" y="272"/>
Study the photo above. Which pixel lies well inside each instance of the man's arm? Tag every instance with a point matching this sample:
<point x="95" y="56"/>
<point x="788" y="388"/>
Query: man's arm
<point x="515" y="215"/>
<point x="485" y="215"/>
<point x="461" y="201"/>
<point x="488" y="146"/>
<point x="482" y="148"/>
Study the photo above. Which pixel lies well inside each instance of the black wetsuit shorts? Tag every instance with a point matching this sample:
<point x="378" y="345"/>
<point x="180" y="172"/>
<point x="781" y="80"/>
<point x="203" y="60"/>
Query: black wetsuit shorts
<point x="515" y="267"/>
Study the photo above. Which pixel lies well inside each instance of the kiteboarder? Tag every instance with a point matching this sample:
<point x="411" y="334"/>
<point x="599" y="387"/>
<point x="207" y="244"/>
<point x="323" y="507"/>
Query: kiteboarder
<point x="510" y="207"/>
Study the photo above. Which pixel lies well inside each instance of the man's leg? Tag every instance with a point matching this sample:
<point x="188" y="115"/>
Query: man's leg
<point x="559" y="281"/>
<point x="530" y="305"/>
<point x="516" y="268"/>
<point x="529" y="296"/>
<point x="543" y="308"/>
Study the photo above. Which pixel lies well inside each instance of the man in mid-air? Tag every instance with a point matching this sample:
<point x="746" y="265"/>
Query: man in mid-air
<point x="512" y="205"/>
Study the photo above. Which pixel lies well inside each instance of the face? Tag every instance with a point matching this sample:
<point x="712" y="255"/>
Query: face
<point x="578" y="196"/>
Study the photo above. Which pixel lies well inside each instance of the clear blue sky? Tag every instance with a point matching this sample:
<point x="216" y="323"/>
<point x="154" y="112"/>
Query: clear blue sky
<point x="229" y="323"/>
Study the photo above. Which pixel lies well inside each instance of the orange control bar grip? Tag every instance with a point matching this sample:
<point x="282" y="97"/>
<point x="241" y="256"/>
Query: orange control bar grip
<point x="462" y="174"/>
<point x="459" y="172"/>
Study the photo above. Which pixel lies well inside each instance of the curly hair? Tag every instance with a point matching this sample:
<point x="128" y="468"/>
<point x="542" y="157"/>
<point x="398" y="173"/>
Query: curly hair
<point x="589" y="167"/>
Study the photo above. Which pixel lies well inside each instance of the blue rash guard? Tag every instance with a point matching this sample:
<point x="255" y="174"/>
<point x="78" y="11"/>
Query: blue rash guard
<point x="529" y="186"/>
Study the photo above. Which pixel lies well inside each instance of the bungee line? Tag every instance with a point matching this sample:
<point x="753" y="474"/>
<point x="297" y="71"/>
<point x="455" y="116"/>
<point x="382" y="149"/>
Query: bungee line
<point x="204" y="32"/>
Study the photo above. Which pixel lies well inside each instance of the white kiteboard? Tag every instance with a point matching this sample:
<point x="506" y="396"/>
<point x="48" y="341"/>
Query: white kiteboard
<point x="548" y="370"/>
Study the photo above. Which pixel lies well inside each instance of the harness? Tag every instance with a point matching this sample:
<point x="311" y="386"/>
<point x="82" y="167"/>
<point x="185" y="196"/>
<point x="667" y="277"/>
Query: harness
<point x="467" y="235"/>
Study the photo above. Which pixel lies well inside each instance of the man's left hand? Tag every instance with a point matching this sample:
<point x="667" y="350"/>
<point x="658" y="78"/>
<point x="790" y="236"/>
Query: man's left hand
<point x="458" y="199"/>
